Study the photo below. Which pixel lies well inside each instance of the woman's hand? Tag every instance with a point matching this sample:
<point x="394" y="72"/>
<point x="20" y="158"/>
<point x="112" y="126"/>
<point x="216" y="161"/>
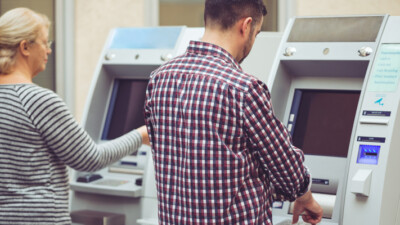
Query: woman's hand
<point x="145" y="136"/>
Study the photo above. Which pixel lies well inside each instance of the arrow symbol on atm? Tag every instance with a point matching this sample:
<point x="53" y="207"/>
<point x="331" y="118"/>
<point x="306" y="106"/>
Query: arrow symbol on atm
<point x="379" y="101"/>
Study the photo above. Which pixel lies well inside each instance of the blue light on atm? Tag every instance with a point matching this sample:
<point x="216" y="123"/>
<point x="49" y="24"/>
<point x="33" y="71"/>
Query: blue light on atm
<point x="368" y="154"/>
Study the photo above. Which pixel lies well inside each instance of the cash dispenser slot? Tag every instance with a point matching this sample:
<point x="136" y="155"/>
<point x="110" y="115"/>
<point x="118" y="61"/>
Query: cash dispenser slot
<point x="324" y="186"/>
<point x="374" y="121"/>
<point x="375" y="117"/>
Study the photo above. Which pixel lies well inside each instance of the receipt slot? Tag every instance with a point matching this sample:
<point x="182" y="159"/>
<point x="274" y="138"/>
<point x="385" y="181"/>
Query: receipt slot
<point x="361" y="182"/>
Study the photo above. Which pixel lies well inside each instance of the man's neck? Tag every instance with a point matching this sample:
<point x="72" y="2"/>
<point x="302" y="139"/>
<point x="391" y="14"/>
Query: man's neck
<point x="224" y="39"/>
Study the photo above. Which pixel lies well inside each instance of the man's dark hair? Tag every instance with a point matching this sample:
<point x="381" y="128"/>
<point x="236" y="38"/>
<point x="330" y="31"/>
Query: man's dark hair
<point x="227" y="12"/>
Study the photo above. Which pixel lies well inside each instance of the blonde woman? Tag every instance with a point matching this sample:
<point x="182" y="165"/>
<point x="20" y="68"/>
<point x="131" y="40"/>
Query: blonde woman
<point x="39" y="137"/>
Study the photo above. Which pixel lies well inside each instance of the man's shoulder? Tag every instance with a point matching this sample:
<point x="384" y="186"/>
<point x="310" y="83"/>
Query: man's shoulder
<point x="219" y="70"/>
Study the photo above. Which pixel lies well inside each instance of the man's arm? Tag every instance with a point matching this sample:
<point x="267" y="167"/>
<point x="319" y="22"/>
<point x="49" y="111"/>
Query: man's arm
<point x="271" y="141"/>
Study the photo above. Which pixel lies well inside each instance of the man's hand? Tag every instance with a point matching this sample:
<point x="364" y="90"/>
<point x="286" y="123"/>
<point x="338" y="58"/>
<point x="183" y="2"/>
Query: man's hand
<point x="308" y="208"/>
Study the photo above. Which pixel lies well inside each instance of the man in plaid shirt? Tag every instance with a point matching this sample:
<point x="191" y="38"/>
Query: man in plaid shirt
<point x="220" y="154"/>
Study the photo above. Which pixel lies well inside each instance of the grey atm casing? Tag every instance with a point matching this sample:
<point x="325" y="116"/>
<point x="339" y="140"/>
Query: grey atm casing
<point x="348" y="53"/>
<point x="129" y="54"/>
<point x="373" y="189"/>
<point x="325" y="53"/>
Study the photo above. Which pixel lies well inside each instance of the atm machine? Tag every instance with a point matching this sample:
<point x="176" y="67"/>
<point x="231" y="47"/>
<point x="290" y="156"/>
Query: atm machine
<point x="115" y="106"/>
<point x="334" y="84"/>
<point x="372" y="196"/>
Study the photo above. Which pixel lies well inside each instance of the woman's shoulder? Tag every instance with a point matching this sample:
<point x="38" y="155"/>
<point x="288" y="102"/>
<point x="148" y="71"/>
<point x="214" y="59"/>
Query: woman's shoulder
<point x="35" y="91"/>
<point x="33" y="96"/>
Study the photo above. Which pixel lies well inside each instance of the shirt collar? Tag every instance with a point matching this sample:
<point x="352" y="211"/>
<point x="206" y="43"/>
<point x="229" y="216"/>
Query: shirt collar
<point x="205" y="48"/>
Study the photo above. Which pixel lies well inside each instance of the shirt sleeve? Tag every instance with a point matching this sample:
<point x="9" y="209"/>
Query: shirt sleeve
<point x="69" y="141"/>
<point x="270" y="139"/>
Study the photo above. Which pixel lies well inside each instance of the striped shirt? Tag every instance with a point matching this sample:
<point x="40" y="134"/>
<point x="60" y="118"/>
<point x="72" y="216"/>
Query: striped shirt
<point x="220" y="154"/>
<point x="39" y="138"/>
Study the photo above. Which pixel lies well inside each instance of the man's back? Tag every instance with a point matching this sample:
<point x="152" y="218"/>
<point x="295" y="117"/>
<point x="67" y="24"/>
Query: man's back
<point x="200" y="110"/>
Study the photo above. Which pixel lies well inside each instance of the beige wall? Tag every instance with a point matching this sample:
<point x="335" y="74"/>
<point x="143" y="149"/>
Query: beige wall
<point x="347" y="7"/>
<point x="93" y="21"/>
<point x="41" y="6"/>
<point x="189" y="14"/>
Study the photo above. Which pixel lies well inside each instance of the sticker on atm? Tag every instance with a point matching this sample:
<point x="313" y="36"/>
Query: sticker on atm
<point x="371" y="139"/>
<point x="386" y="71"/>
<point x="376" y="113"/>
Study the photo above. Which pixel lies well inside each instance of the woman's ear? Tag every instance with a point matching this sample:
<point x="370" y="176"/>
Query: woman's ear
<point x="24" y="48"/>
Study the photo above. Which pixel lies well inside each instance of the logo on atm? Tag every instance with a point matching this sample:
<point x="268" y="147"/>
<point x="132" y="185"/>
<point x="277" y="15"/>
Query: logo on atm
<point x="379" y="101"/>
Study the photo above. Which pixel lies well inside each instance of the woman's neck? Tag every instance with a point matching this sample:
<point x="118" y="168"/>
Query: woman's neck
<point x="15" y="77"/>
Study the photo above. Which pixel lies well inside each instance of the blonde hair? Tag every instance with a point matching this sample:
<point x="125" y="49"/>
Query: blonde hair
<point x="17" y="25"/>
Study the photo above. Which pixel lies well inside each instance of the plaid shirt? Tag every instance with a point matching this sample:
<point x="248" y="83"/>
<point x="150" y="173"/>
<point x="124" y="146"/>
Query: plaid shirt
<point x="220" y="154"/>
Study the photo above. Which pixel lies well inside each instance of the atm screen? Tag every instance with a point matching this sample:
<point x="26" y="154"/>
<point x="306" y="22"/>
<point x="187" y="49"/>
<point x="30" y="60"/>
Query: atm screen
<point x="324" y="121"/>
<point x="125" y="111"/>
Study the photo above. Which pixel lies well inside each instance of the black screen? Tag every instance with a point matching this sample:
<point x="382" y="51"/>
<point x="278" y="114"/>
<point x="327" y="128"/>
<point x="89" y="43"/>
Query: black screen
<point x="324" y="122"/>
<point x="125" y="111"/>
